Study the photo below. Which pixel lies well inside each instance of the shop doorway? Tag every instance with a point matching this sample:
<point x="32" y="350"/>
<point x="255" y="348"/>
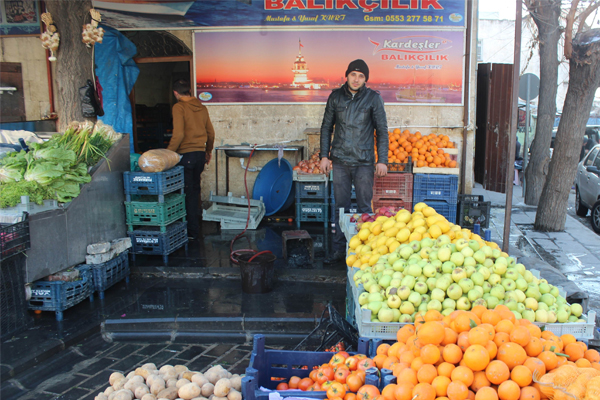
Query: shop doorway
<point x="162" y="59"/>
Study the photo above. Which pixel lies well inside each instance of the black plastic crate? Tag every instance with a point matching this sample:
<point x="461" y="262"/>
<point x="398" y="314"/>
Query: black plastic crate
<point x="107" y="274"/>
<point x="57" y="296"/>
<point x="312" y="190"/>
<point x="14" y="238"/>
<point x="436" y="187"/>
<point x="13" y="306"/>
<point x="151" y="240"/>
<point x="473" y="210"/>
<point x="153" y="183"/>
<point x="312" y="212"/>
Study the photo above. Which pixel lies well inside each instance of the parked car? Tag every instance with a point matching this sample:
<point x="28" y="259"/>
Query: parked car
<point x="587" y="187"/>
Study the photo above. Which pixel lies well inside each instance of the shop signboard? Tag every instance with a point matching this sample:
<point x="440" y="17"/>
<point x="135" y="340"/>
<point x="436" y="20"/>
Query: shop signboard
<point x="19" y="17"/>
<point x="405" y="66"/>
<point x="126" y="14"/>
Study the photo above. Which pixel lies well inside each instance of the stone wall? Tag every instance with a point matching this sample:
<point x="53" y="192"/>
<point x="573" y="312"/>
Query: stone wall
<point x="28" y="51"/>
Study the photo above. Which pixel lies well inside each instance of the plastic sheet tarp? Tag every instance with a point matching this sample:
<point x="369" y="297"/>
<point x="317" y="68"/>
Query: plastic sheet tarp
<point x="117" y="73"/>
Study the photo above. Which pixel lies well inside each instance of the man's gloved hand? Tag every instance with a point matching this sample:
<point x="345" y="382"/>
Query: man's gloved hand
<point x="380" y="170"/>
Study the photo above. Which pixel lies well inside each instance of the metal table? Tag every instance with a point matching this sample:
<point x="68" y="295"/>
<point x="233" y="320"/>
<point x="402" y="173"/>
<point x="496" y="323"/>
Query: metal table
<point x="299" y="150"/>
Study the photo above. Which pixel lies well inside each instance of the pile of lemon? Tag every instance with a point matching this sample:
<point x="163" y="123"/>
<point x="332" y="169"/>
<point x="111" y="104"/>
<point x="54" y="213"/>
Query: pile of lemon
<point x="386" y="234"/>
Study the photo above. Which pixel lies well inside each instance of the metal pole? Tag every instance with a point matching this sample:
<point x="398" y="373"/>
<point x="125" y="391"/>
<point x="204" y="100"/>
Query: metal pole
<point x="527" y="117"/>
<point x="510" y="170"/>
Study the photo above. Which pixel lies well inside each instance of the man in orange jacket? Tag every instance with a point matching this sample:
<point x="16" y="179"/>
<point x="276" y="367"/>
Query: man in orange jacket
<point x="193" y="138"/>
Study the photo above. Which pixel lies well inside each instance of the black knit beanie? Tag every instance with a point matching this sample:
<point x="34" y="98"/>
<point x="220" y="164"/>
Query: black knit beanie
<point x="360" y="66"/>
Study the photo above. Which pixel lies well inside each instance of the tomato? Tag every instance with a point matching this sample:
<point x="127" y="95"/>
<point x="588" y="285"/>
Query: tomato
<point x="350" y="396"/>
<point x="343" y="354"/>
<point x="317" y="387"/>
<point x="282" y="386"/>
<point x="325" y="373"/>
<point x="354" y="382"/>
<point x="313" y="374"/>
<point x="365" y="364"/>
<point x="341" y="374"/>
<point x="360" y="356"/>
<point x="336" y="390"/>
<point x="296" y="168"/>
<point x="367" y="392"/>
<point x="293" y="382"/>
<point x="326" y="385"/>
<point x="337" y="359"/>
<point x="305" y="383"/>
<point x="352" y="363"/>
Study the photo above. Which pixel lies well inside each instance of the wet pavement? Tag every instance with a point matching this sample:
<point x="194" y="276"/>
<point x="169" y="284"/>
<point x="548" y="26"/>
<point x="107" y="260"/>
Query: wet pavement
<point x="193" y="311"/>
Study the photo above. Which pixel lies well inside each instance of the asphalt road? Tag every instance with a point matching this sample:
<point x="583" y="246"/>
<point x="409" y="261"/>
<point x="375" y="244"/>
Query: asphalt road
<point x="586" y="221"/>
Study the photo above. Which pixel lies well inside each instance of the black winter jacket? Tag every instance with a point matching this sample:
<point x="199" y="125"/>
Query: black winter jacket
<point x="355" y="120"/>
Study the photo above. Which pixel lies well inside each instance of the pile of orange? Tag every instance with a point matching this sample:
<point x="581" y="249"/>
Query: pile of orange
<point x="425" y="150"/>
<point x="478" y="355"/>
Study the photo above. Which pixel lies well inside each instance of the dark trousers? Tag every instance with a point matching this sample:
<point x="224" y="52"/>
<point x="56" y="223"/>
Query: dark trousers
<point x="343" y="177"/>
<point x="193" y="165"/>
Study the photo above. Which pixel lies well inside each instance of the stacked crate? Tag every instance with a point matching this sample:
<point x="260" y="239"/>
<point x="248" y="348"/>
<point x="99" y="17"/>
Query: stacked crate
<point x="439" y="192"/>
<point x="395" y="189"/>
<point x="312" y="198"/>
<point x="353" y="205"/>
<point x="155" y="209"/>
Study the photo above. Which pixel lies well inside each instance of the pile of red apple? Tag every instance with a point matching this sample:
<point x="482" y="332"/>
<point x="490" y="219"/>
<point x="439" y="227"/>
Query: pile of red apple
<point x="381" y="211"/>
<point x="310" y="166"/>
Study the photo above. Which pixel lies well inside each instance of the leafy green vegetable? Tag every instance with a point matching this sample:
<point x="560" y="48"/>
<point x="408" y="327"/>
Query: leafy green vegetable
<point x="43" y="172"/>
<point x="10" y="193"/>
<point x="57" y="155"/>
<point x="11" y="174"/>
<point x="67" y="192"/>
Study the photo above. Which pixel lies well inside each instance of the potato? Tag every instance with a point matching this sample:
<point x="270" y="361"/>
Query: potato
<point x="180" y="368"/>
<point x="199" y="379"/>
<point x="236" y="382"/>
<point x="207" y="389"/>
<point x="148" y="396"/>
<point x="151" y="378"/>
<point x="222" y="387"/>
<point x="149" y="366"/>
<point x="143" y="372"/>
<point x="130" y="375"/>
<point x="115" y="376"/>
<point x="141" y="391"/>
<point x="123" y="394"/>
<point x="120" y="384"/>
<point x="189" y="391"/>
<point x="166" y="368"/>
<point x="109" y="390"/>
<point x="200" y="398"/>
<point x="234" y="395"/>
<point x="188" y="375"/>
<point x="157" y="386"/>
<point x="172" y="382"/>
<point x="182" y="382"/>
<point x="101" y="396"/>
<point x="132" y="384"/>
<point x="219" y="398"/>
<point x="168" y="393"/>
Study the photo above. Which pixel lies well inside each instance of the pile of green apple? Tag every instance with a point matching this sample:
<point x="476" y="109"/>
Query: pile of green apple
<point x="445" y="276"/>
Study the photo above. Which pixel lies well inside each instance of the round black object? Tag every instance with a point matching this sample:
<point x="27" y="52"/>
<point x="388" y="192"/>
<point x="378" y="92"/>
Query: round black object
<point x="258" y="276"/>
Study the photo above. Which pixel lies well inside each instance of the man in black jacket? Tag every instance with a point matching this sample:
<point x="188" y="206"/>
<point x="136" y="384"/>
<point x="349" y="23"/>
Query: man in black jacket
<point x="356" y="112"/>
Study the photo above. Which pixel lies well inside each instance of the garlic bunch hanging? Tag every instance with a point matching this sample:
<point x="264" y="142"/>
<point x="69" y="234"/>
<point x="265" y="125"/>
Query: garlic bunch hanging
<point x="50" y="38"/>
<point x="91" y="34"/>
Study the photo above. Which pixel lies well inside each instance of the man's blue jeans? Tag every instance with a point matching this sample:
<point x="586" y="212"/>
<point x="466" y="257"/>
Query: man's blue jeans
<point x="344" y="176"/>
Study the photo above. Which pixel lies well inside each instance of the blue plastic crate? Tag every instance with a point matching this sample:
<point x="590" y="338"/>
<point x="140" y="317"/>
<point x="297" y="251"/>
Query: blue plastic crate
<point x="312" y="212"/>
<point x="153" y="183"/>
<point x="445" y="209"/>
<point x="352" y="210"/>
<point x="428" y="187"/>
<point x="312" y="190"/>
<point x="58" y="296"/>
<point x="268" y="367"/>
<point x="107" y="274"/>
<point x="151" y="240"/>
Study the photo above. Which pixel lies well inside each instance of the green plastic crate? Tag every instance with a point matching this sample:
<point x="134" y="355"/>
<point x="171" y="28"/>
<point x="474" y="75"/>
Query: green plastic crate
<point x="153" y="213"/>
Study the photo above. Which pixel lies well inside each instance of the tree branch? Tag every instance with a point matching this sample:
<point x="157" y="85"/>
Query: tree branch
<point x="569" y="29"/>
<point x="585" y="14"/>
